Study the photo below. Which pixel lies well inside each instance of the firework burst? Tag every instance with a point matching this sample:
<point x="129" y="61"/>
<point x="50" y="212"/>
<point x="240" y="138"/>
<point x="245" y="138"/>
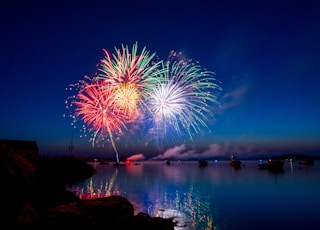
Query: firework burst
<point x="96" y="107"/>
<point x="176" y="96"/>
<point x="126" y="98"/>
<point x="130" y="74"/>
<point x="115" y="97"/>
<point x="180" y="104"/>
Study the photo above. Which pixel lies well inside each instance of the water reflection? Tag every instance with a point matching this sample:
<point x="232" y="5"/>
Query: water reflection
<point x="159" y="190"/>
<point x="213" y="197"/>
<point x="98" y="187"/>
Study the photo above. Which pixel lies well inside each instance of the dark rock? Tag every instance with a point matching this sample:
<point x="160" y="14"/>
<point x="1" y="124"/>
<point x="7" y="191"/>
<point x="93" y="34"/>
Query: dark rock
<point x="34" y="197"/>
<point x="143" y="221"/>
<point x="17" y="176"/>
<point x="52" y="176"/>
<point x="114" y="212"/>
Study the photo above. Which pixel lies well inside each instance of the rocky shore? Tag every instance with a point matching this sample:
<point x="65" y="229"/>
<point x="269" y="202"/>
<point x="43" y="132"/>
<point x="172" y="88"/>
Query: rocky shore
<point x="34" y="196"/>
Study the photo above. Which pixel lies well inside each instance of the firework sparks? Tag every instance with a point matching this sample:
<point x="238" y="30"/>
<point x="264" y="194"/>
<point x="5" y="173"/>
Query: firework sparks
<point x="127" y="98"/>
<point x="112" y="99"/>
<point x="175" y="95"/>
<point x="180" y="104"/>
<point x="95" y="106"/>
<point x="130" y="74"/>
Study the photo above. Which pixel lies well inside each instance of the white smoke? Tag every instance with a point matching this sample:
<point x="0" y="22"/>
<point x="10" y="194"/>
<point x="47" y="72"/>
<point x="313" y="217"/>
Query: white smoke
<point x="224" y="150"/>
<point x="136" y="157"/>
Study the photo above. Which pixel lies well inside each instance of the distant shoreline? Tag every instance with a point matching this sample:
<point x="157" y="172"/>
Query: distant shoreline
<point x="220" y="158"/>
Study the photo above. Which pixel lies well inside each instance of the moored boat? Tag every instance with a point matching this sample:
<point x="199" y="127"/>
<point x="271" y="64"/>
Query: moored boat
<point x="262" y="165"/>
<point x="272" y="165"/>
<point x="202" y="163"/>
<point x="234" y="162"/>
<point x="306" y="162"/>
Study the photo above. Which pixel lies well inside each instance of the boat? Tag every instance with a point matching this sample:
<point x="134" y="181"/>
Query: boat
<point x="167" y="162"/>
<point x="275" y="165"/>
<point x="272" y="165"/>
<point x="234" y="162"/>
<point x="306" y="162"/>
<point x="202" y="163"/>
<point x="262" y="165"/>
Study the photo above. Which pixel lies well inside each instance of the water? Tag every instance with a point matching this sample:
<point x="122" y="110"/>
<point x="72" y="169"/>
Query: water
<point x="217" y="196"/>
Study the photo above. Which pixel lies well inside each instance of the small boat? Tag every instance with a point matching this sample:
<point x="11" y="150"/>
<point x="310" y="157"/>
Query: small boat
<point x="272" y="165"/>
<point x="262" y="165"/>
<point x="234" y="162"/>
<point x="202" y="163"/>
<point x="167" y="162"/>
<point x="306" y="162"/>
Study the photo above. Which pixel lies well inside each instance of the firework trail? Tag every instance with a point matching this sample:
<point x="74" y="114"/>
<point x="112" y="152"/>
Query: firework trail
<point x="180" y="104"/>
<point x="95" y="105"/>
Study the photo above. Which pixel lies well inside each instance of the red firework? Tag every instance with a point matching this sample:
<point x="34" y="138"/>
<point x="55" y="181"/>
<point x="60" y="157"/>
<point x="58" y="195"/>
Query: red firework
<point x="95" y="105"/>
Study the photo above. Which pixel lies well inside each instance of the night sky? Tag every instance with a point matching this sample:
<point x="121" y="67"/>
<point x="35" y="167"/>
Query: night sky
<point x="265" y="53"/>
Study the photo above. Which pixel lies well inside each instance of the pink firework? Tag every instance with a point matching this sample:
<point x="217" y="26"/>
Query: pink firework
<point x="95" y="106"/>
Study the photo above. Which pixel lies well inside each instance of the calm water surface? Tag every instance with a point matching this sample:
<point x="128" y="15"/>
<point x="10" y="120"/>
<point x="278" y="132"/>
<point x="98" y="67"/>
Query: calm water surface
<point x="217" y="196"/>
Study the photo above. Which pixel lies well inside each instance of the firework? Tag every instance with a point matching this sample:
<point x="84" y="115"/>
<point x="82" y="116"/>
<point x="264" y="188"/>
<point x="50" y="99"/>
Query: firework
<point x="130" y="74"/>
<point x="115" y="96"/>
<point x="126" y="98"/>
<point x="95" y="105"/>
<point x="180" y="104"/>
<point x="176" y="96"/>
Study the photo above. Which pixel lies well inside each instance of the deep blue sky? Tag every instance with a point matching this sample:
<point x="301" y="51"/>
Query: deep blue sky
<point x="265" y="53"/>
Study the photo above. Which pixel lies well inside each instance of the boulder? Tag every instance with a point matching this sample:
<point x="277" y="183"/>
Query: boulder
<point x="17" y="177"/>
<point x="113" y="212"/>
<point x="33" y="196"/>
